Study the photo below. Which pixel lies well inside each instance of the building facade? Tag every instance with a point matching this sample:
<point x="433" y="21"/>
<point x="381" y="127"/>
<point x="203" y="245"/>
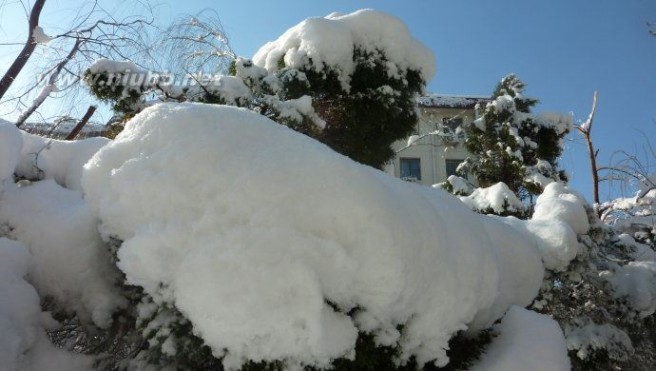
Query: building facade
<point x="436" y="148"/>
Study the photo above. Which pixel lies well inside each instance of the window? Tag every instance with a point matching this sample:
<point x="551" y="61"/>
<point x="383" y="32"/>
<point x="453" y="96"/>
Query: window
<point x="410" y="169"/>
<point x="452" y="166"/>
<point x="452" y="123"/>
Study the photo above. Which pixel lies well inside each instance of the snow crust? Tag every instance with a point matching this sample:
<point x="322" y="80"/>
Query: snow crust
<point x="526" y="341"/>
<point x="250" y="242"/>
<point x="330" y="41"/>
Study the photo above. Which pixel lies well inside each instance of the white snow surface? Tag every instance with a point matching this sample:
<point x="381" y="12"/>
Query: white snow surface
<point x="330" y="41"/>
<point x="58" y="159"/>
<point x="497" y="197"/>
<point x="40" y="36"/>
<point x="559" y="202"/>
<point x="637" y="282"/>
<point x="558" y="216"/>
<point x="588" y="338"/>
<point x="103" y="65"/>
<point x="527" y="341"/>
<point x="24" y="345"/>
<point x="11" y="144"/>
<point x="249" y="228"/>
<point x="69" y="261"/>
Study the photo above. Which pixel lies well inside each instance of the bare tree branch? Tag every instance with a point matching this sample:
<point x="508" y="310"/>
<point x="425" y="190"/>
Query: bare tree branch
<point x="51" y="83"/>
<point x="585" y="129"/>
<point x="26" y="53"/>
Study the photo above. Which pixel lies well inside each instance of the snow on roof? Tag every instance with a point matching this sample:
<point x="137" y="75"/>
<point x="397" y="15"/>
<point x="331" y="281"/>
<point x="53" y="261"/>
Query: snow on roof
<point x="450" y="101"/>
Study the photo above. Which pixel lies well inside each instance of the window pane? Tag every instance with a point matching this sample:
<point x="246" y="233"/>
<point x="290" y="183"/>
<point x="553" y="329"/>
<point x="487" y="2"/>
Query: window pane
<point x="410" y="168"/>
<point x="451" y="166"/>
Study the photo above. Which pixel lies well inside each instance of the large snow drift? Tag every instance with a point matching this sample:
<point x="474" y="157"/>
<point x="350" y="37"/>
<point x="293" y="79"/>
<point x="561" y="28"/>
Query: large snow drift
<point x="330" y="41"/>
<point x="252" y="229"/>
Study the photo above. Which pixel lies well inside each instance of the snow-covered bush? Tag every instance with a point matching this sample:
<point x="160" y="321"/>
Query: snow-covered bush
<point x="363" y="71"/>
<point x="349" y="81"/>
<point x="497" y="199"/>
<point x="599" y="298"/>
<point x="287" y="252"/>
<point x="513" y="146"/>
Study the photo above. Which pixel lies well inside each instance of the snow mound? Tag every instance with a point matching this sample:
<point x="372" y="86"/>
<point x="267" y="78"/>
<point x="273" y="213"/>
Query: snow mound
<point x="498" y="198"/>
<point x="251" y="229"/>
<point x="526" y="341"/>
<point x="57" y="159"/>
<point x="521" y="270"/>
<point x="69" y="261"/>
<point x="11" y="144"/>
<point x="103" y="65"/>
<point x="588" y="338"/>
<point x="558" y="216"/>
<point x="559" y="202"/>
<point x="24" y="344"/>
<point x="637" y="282"/>
<point x="330" y="42"/>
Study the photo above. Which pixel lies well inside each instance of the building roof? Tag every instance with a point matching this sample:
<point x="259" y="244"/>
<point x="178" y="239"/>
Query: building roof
<point x="450" y="101"/>
<point x="63" y="128"/>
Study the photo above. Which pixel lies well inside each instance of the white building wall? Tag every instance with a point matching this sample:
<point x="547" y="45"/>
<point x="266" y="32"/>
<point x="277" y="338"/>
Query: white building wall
<point x="431" y="149"/>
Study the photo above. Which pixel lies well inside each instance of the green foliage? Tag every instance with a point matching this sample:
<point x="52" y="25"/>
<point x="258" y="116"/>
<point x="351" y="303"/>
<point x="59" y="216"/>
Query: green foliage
<point x="509" y="143"/>
<point x="362" y="119"/>
<point x="114" y="89"/>
<point x="378" y="110"/>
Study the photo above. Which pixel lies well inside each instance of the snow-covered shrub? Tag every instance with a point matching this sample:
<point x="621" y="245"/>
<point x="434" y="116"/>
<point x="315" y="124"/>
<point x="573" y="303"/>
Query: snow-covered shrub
<point x="634" y="216"/>
<point x="496" y="199"/>
<point x="588" y="296"/>
<point x="349" y="81"/>
<point x="289" y="254"/>
<point x="363" y="71"/>
<point x="456" y="185"/>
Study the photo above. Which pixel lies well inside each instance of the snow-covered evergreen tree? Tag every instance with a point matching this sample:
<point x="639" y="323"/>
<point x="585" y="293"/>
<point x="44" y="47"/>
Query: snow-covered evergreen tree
<point x="511" y="145"/>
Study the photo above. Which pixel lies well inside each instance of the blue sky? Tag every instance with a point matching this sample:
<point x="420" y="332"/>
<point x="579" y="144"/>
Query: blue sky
<point x="562" y="49"/>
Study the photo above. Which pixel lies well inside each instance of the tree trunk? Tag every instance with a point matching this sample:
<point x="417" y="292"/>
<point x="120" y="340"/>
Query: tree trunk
<point x="28" y="49"/>
<point x="76" y="130"/>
